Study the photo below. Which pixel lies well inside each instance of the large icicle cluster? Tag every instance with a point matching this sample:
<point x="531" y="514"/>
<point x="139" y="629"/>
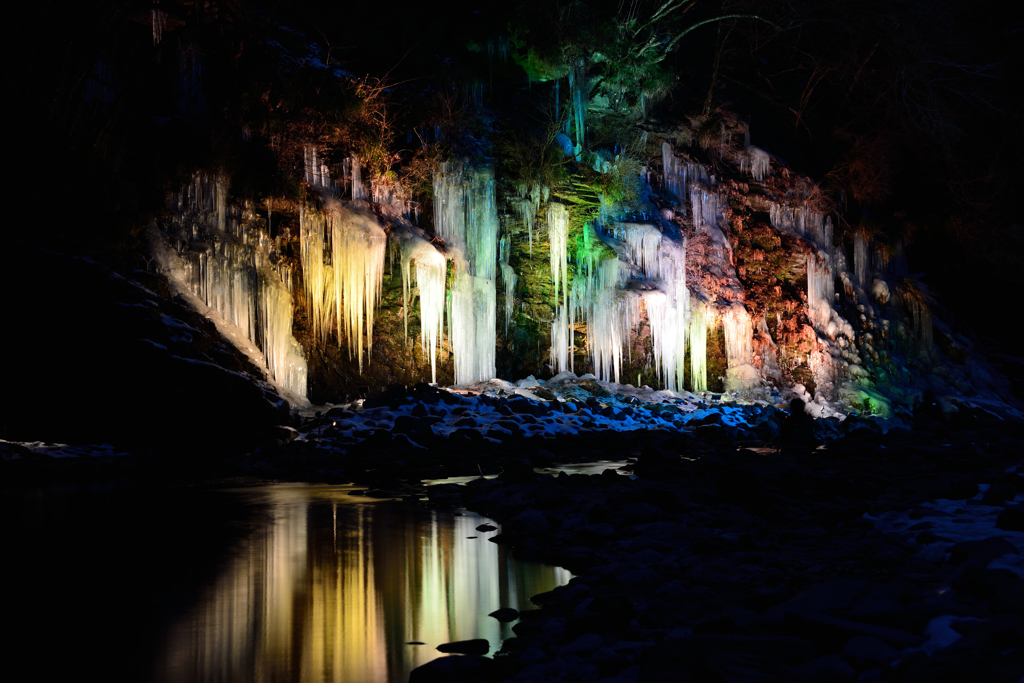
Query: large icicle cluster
<point x="668" y="312"/>
<point x="465" y="216"/>
<point x="343" y="268"/>
<point x="226" y="261"/>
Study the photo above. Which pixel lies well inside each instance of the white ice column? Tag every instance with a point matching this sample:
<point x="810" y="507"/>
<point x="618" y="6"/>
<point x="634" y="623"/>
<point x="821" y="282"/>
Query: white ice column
<point x="431" y="269"/>
<point x="699" y="347"/>
<point x="741" y="375"/>
<point x="465" y="216"/>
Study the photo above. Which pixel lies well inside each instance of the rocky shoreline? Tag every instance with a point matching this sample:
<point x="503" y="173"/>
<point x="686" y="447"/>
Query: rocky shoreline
<point x="838" y="553"/>
<point x="723" y="564"/>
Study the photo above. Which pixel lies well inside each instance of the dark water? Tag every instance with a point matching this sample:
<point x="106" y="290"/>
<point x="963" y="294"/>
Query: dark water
<point x="279" y="583"/>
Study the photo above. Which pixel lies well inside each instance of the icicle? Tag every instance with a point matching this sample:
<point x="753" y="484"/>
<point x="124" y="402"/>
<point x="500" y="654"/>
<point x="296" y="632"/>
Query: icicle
<point x="741" y="375"/>
<point x="357" y="251"/>
<point x="351" y="285"/>
<point x="577" y="83"/>
<point x="227" y="266"/>
<point x="668" y="315"/>
<point x="604" y="317"/>
<point x="699" y="347"/>
<point x="390" y="196"/>
<point x="357" y="182"/>
<point x="158" y="22"/>
<point x="756" y="162"/>
<point x="820" y="292"/>
<point x="465" y="216"/>
<point x="557" y="82"/>
<point x="431" y="270"/>
<point x="861" y="263"/>
<point x="509" y="279"/>
<point x="558" y="236"/>
<point x="704" y="205"/>
<point x="739" y="334"/>
<point x="317" y="276"/>
<point x="526" y="206"/>
<point x="679" y="175"/>
<point x="644" y="242"/>
<point x="282" y="351"/>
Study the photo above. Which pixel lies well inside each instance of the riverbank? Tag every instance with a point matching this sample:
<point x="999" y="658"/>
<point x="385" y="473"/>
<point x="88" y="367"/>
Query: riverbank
<point x="895" y="558"/>
<point x="848" y="554"/>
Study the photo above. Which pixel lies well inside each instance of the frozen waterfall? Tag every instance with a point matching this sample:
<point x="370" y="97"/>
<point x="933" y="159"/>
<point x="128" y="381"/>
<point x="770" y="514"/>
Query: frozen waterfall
<point x="740" y="375"/>
<point x="431" y="270"/>
<point x="465" y="216"/>
<point x="226" y="261"/>
<point x="820" y="291"/>
<point x="699" y="347"/>
<point x="561" y="334"/>
<point x="343" y="269"/>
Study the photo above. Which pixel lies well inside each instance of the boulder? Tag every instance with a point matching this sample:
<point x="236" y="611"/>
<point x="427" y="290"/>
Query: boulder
<point x="827" y="669"/>
<point x="476" y="646"/>
<point x="504" y="614"/>
<point x="457" y="669"/>
<point x="980" y="553"/>
<point x="530" y="521"/>
<point x="1011" y="518"/>
<point x="869" y="651"/>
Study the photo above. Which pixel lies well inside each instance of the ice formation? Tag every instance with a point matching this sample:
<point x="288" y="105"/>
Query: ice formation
<point x="226" y="262"/>
<point x="465" y="216"/>
<point x="347" y="289"/>
<point x="680" y="175"/>
<point x="558" y="235"/>
<point x="861" y="264"/>
<point x="283" y="353"/>
<point x="699" y="347"/>
<point x="351" y="170"/>
<point x="704" y="204"/>
<point x="431" y="271"/>
<point x="157" y="18"/>
<point x="529" y="198"/>
<point x="803" y="222"/>
<point x="390" y="196"/>
<point x="580" y="92"/>
<point x="316" y="172"/>
<point x="820" y="291"/>
<point x="509" y="278"/>
<point x="741" y="375"/>
<point x="644" y="243"/>
<point x="756" y="162"/>
<point x="561" y="334"/>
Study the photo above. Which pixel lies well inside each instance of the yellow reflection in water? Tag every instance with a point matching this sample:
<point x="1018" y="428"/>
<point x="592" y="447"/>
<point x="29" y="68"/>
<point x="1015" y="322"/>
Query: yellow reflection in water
<point x="328" y="590"/>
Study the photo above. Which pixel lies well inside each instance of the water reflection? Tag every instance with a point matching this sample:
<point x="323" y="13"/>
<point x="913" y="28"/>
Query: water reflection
<point x="329" y="589"/>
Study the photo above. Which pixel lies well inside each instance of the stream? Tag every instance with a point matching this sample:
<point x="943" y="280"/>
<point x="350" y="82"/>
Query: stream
<point x="279" y="582"/>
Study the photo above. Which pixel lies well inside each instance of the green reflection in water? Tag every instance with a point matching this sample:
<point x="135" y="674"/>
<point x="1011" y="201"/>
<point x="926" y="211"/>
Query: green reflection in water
<point x="329" y="589"/>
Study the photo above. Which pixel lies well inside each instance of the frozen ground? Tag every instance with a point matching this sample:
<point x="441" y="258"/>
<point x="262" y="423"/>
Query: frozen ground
<point x="564" y="405"/>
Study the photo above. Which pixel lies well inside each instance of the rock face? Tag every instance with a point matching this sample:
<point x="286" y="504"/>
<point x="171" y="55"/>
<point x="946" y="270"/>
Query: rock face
<point x="106" y="359"/>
